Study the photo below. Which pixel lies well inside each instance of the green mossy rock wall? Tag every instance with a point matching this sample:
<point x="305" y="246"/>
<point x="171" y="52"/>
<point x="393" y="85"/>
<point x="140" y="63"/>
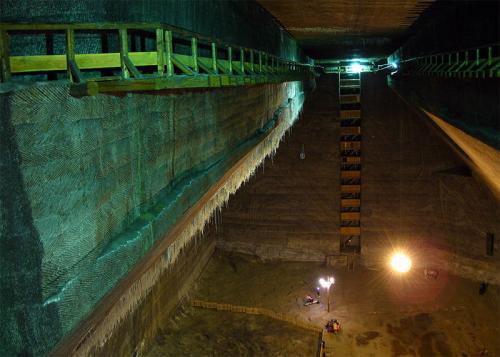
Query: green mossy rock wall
<point x="89" y="185"/>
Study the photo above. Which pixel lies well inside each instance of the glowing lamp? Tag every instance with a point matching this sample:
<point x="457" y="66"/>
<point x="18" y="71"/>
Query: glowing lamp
<point x="326" y="283"/>
<point x="400" y="263"/>
<point x="356" y="68"/>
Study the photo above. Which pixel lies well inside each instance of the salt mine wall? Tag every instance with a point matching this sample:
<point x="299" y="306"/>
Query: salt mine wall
<point x="290" y="210"/>
<point x="93" y="189"/>
<point x="417" y="195"/>
<point x="90" y="185"/>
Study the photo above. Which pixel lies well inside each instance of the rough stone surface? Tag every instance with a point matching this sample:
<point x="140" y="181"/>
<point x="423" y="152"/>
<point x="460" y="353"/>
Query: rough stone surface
<point x="94" y="182"/>
<point x="413" y="196"/>
<point x="289" y="210"/>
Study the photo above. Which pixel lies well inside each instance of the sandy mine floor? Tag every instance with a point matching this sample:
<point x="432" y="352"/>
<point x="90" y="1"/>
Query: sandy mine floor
<point x="381" y="314"/>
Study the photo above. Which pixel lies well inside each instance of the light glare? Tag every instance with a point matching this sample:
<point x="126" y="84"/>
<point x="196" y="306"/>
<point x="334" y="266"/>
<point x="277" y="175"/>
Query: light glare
<point x="356" y="67"/>
<point x="400" y="263"/>
<point x="326" y="283"/>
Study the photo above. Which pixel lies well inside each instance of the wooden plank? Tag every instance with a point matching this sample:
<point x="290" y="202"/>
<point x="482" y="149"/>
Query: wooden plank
<point x="160" y="52"/>
<point x="350" y="188"/>
<point x="45" y="63"/>
<point x="350" y="174"/>
<point x="350" y="114"/>
<point x="350" y="203"/>
<point x="350" y="98"/>
<point x="352" y="160"/>
<point x="123" y="52"/>
<point x="27" y="64"/>
<point x="350" y="231"/>
<point x="350" y="216"/>
<point x="350" y="130"/>
<point x="70" y="53"/>
<point x="350" y="145"/>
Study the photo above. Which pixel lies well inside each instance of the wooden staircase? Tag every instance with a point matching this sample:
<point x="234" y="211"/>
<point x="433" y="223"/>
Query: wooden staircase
<point x="350" y="162"/>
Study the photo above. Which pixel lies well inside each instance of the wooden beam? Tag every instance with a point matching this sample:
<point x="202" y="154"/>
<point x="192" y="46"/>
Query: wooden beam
<point x="179" y="62"/>
<point x="131" y="67"/>
<point x="70" y="53"/>
<point x="76" y="75"/>
<point x="123" y="52"/>
<point x="4" y="56"/>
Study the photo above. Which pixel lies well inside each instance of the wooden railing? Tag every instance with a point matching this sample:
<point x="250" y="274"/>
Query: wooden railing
<point x="227" y="65"/>
<point x="480" y="62"/>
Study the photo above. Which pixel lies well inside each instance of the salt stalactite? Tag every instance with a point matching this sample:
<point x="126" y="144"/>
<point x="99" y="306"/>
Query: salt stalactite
<point x="99" y="334"/>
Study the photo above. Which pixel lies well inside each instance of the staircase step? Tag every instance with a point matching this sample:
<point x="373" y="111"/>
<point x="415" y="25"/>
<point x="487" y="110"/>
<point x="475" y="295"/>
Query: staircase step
<point x="350" y="203"/>
<point x="350" y="216"/>
<point x="350" y="98"/>
<point x="350" y="114"/>
<point x="350" y="174"/>
<point x="350" y="188"/>
<point x="350" y="145"/>
<point x="349" y="86"/>
<point x="351" y="160"/>
<point x="350" y="130"/>
<point x="350" y="231"/>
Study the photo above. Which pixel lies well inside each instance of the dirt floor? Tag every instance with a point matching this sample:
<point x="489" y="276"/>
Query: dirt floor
<point x="382" y="314"/>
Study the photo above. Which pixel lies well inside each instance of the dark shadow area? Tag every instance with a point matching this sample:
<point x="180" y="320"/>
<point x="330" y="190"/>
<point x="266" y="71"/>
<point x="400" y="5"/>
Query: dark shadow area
<point x="28" y="327"/>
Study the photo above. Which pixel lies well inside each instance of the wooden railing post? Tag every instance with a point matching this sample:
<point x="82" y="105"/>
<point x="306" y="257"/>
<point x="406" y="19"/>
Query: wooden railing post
<point x="160" y="51"/>
<point x="123" y="52"/>
<point x="70" y="51"/>
<point x="214" y="57"/>
<point x="4" y="56"/>
<point x="242" y="60"/>
<point x="194" y="54"/>
<point x="230" y="59"/>
<point x="251" y="61"/>
<point x="169" y="52"/>
<point x="260" y="61"/>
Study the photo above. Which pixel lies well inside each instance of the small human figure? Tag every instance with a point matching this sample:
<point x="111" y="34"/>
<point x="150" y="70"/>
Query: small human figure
<point x="483" y="287"/>
<point x="318" y="290"/>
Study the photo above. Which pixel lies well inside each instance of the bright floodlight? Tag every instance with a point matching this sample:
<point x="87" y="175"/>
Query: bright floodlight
<point x="326" y="283"/>
<point x="356" y="67"/>
<point x="400" y="263"/>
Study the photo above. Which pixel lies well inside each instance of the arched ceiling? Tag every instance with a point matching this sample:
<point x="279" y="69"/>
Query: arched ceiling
<point x="346" y="28"/>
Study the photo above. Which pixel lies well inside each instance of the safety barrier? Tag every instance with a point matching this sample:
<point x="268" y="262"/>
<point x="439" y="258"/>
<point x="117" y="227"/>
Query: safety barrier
<point x="480" y="62"/>
<point x="181" y="59"/>
<point x="256" y="311"/>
